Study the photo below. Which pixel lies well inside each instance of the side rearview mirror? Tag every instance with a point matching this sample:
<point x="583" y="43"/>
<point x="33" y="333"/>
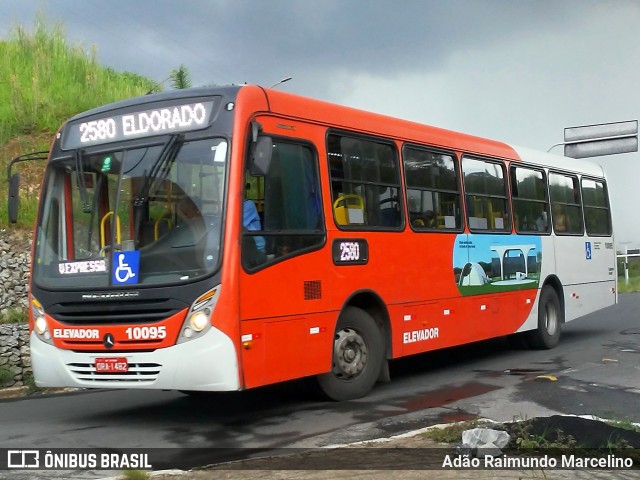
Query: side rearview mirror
<point x="261" y="156"/>
<point x="14" y="181"/>
<point x="14" y="198"/>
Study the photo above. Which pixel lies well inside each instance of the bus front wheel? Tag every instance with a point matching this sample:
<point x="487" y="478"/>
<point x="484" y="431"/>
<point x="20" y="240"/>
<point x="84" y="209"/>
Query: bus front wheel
<point x="357" y="357"/>
<point x="547" y="335"/>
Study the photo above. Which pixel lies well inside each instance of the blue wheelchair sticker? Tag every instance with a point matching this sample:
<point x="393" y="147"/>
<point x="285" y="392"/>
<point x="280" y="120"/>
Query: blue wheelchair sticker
<point x="126" y="267"/>
<point x="587" y="250"/>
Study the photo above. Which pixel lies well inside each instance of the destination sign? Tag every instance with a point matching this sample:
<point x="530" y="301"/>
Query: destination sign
<point x="88" y="266"/>
<point x="157" y="121"/>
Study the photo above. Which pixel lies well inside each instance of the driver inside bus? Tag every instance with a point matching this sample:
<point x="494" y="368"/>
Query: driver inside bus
<point x="190" y="216"/>
<point x="251" y="221"/>
<point x="253" y="245"/>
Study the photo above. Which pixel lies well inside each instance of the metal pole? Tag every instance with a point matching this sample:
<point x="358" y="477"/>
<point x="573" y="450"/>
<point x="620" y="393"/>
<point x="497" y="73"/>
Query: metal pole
<point x="626" y="265"/>
<point x="281" y="81"/>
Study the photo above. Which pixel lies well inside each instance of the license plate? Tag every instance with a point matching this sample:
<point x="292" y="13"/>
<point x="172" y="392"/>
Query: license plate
<point x="112" y="365"/>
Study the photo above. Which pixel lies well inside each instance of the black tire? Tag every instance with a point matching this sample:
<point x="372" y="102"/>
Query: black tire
<point x="550" y="318"/>
<point x="358" y="356"/>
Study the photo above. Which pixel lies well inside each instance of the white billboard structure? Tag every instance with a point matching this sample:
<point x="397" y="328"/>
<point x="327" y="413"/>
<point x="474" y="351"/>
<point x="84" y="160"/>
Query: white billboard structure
<point x="603" y="139"/>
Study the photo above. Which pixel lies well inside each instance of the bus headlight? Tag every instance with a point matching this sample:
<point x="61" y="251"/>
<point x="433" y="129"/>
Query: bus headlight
<point x="40" y="325"/>
<point x="198" y="320"/>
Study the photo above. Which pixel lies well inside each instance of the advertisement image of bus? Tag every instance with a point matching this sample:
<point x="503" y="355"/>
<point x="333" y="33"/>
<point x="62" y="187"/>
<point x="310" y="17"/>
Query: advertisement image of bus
<point x="225" y="238"/>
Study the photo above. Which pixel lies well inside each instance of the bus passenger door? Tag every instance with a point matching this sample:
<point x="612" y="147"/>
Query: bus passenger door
<point x="283" y="329"/>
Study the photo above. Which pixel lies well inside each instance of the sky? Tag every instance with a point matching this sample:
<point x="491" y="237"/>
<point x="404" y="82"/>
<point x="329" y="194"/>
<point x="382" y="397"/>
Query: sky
<point x="515" y="71"/>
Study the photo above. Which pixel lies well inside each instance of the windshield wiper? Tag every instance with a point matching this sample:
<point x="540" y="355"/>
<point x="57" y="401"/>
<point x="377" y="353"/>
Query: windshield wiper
<point x="160" y="168"/>
<point x="82" y="186"/>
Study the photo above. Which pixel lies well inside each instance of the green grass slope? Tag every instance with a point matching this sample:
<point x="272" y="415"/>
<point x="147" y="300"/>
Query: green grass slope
<point x="43" y="81"/>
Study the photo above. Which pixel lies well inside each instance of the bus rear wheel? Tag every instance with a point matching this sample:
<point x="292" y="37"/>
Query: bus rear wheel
<point x="547" y="335"/>
<point x="357" y="357"/>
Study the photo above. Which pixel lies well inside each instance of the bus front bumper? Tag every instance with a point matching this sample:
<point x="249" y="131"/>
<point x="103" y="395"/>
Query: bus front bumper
<point x="208" y="363"/>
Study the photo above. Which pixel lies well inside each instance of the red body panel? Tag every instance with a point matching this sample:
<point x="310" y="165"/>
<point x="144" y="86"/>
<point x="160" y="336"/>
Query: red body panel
<point x="410" y="272"/>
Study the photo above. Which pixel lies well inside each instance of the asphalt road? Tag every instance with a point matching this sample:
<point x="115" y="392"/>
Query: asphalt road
<point x="595" y="370"/>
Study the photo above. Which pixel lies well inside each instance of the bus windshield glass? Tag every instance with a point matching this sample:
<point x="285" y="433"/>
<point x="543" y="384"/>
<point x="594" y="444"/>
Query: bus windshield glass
<point x="140" y="216"/>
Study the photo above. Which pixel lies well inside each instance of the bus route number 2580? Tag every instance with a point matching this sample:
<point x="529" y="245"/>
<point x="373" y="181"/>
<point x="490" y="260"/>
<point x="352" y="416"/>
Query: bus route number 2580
<point x="350" y="251"/>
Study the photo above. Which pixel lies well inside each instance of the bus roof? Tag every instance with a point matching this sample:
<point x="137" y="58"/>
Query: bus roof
<point x="337" y="115"/>
<point x="383" y="125"/>
<point x="549" y="160"/>
<point x="296" y="106"/>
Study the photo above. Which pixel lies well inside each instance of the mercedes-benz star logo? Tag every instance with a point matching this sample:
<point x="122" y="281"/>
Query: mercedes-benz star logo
<point x="108" y="341"/>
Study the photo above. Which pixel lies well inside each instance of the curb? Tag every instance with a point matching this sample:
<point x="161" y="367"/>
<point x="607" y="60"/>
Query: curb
<point x="28" y="392"/>
<point x="13" y="392"/>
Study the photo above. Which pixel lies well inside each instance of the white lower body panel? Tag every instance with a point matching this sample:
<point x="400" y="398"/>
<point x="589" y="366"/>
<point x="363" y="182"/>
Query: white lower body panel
<point x="208" y="363"/>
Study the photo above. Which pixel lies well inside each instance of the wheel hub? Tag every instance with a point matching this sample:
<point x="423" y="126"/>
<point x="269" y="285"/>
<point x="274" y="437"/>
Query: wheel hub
<point x="350" y="354"/>
<point x="551" y="320"/>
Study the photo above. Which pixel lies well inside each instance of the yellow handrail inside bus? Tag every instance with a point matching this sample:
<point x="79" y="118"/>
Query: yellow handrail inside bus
<point x="102" y="234"/>
<point x="351" y="212"/>
<point x="156" y="228"/>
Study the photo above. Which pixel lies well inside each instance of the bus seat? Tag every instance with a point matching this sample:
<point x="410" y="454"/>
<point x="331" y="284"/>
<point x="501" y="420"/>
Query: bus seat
<point x="389" y="215"/>
<point x="349" y="210"/>
<point x="164" y="219"/>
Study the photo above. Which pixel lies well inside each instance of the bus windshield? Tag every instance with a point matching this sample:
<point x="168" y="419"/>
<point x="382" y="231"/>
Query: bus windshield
<point x="145" y="215"/>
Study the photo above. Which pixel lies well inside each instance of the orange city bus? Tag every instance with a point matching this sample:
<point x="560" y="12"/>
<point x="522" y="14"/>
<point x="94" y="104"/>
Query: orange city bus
<point x="225" y="238"/>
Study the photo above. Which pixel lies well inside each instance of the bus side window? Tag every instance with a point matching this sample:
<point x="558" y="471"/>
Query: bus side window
<point x="597" y="214"/>
<point x="486" y="191"/>
<point x="566" y="204"/>
<point x="365" y="182"/>
<point x="530" y="200"/>
<point x="433" y="190"/>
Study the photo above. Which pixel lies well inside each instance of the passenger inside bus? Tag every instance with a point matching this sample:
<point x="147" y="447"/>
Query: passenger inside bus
<point x="559" y="218"/>
<point x="542" y="225"/>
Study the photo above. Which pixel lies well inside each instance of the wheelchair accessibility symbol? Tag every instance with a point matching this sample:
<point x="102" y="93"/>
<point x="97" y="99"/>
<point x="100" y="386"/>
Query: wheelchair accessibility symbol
<point x="126" y="269"/>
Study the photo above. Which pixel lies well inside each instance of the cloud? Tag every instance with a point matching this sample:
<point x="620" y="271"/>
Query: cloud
<point x="514" y="71"/>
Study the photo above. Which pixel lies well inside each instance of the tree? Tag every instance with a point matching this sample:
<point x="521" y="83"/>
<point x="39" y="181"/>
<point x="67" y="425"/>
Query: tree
<point x="180" y="78"/>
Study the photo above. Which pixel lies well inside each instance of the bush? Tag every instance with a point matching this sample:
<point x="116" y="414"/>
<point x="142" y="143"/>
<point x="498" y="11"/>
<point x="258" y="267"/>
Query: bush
<point x="15" y="315"/>
<point x="6" y="377"/>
